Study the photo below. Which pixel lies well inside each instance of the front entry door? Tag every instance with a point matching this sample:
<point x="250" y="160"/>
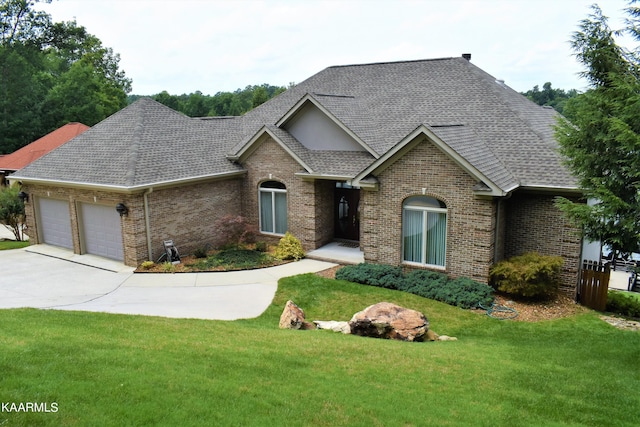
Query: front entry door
<point x="347" y="218"/>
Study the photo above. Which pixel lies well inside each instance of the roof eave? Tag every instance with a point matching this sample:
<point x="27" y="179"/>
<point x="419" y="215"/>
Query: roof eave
<point x="127" y="189"/>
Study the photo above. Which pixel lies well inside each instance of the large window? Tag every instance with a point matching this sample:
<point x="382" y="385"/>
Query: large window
<point x="273" y="207"/>
<point x="424" y="231"/>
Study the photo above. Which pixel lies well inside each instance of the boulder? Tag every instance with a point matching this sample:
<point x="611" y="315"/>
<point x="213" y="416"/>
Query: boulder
<point x="292" y="317"/>
<point x="390" y="321"/>
<point x="333" y="326"/>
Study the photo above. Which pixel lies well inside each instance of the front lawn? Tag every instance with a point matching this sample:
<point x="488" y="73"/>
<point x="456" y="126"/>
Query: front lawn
<point x="104" y="369"/>
<point x="12" y="244"/>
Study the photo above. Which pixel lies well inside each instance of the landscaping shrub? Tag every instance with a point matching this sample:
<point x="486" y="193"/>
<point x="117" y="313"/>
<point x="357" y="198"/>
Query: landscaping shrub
<point x="384" y="276"/>
<point x="461" y="292"/>
<point x="200" y="252"/>
<point x="233" y="231"/>
<point x="261" y="246"/>
<point x="147" y="265"/>
<point x="529" y="275"/>
<point x="623" y="304"/>
<point x="424" y="283"/>
<point x="466" y="293"/>
<point x="289" y="247"/>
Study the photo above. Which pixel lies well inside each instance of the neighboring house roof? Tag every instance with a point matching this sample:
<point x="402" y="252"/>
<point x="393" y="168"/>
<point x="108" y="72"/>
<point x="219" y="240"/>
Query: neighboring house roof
<point x="38" y="148"/>
<point x="499" y="136"/>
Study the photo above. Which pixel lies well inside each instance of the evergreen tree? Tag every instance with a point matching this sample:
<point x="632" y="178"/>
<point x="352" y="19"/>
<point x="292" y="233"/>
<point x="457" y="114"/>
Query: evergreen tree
<point x="602" y="143"/>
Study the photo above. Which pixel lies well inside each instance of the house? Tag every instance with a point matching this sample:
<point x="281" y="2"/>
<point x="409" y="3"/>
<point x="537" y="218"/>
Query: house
<point x="430" y="164"/>
<point x="38" y="148"/>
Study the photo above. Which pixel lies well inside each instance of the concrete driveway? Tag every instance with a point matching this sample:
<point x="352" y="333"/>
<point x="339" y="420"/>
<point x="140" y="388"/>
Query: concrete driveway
<point x="30" y="279"/>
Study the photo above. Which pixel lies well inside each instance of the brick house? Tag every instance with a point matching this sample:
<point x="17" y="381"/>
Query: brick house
<point x="430" y="164"/>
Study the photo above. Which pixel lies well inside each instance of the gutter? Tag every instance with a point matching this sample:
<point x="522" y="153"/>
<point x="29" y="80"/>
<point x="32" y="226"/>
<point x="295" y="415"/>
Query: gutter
<point x="123" y="188"/>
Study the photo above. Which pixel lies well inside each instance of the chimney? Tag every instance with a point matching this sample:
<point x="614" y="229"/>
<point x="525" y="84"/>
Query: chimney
<point x="467" y="56"/>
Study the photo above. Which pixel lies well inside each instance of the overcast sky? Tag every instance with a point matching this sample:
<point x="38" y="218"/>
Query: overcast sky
<point x="221" y="45"/>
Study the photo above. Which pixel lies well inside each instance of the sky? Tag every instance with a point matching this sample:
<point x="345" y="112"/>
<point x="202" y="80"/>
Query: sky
<point x="211" y="46"/>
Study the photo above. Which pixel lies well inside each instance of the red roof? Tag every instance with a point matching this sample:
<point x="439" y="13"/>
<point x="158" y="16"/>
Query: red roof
<point x="38" y="148"/>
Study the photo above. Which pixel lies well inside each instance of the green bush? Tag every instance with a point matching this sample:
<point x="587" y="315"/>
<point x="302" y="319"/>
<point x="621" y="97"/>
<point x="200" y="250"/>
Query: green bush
<point x="261" y="246"/>
<point x="200" y="252"/>
<point x="623" y="304"/>
<point x="384" y="276"/>
<point x="461" y="292"/>
<point x="530" y="275"/>
<point x="467" y="293"/>
<point x="147" y="265"/>
<point x="289" y="248"/>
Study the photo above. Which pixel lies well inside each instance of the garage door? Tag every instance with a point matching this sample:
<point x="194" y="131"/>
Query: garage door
<point x="101" y="231"/>
<point x="55" y="222"/>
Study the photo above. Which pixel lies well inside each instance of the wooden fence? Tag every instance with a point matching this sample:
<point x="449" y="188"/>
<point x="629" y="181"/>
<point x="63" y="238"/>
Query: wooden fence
<point x="594" y="285"/>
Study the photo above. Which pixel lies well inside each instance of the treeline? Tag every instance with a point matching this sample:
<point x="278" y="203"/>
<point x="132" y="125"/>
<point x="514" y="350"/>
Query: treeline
<point x="556" y="98"/>
<point x="221" y="104"/>
<point x="52" y="74"/>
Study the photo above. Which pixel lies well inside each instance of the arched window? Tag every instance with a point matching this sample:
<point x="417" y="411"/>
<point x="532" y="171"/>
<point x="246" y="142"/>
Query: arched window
<point x="273" y="207"/>
<point x="424" y="231"/>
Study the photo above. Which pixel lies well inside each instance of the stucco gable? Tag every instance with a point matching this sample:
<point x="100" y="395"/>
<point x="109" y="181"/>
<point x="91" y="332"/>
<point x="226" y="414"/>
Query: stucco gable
<point x="317" y="128"/>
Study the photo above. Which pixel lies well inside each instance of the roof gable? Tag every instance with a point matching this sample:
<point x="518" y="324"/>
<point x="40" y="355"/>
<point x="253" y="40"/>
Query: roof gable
<point x="318" y="129"/>
<point x="462" y="146"/>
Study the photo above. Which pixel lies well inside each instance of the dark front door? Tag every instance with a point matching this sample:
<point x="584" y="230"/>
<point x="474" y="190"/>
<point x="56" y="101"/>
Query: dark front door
<point x="347" y="218"/>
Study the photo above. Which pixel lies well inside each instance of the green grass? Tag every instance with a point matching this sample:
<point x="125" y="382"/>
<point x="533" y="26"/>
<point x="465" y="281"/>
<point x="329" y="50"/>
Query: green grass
<point x="12" y="244"/>
<point x="104" y="369"/>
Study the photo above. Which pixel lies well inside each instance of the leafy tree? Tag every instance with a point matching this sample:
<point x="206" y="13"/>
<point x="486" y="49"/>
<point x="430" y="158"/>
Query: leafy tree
<point x="12" y="211"/>
<point x="555" y="98"/>
<point x="221" y="104"/>
<point x="51" y="74"/>
<point x="602" y="143"/>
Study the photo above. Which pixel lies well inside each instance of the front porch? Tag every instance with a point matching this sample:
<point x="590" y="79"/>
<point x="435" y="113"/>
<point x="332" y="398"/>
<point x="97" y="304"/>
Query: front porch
<point x="338" y="252"/>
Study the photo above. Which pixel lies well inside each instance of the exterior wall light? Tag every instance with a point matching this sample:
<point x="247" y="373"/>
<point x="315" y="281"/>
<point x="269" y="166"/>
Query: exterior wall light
<point x="122" y="209"/>
<point x="23" y="196"/>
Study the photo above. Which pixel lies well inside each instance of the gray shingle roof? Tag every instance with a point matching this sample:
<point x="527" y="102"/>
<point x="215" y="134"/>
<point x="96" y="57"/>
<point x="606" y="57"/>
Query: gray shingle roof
<point x="503" y="135"/>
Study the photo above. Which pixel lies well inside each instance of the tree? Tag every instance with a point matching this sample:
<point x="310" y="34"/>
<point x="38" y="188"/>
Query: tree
<point x="602" y="143"/>
<point x="12" y="211"/>
<point x="52" y="74"/>
<point x="555" y="98"/>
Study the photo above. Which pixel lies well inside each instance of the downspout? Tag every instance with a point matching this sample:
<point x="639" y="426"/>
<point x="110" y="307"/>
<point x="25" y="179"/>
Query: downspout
<point x="499" y="206"/>
<point x="147" y="222"/>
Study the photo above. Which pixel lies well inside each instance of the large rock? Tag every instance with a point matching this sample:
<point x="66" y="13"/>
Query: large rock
<point x="292" y="317"/>
<point x="390" y="321"/>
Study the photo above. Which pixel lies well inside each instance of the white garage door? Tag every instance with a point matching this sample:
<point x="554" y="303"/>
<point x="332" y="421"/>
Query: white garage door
<point x="101" y="231"/>
<point x="55" y="222"/>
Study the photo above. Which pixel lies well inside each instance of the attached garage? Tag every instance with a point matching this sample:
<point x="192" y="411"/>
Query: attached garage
<point x="55" y="222"/>
<point x="101" y="231"/>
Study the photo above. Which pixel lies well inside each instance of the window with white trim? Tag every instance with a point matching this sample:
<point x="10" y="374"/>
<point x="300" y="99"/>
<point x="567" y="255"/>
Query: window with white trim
<point x="424" y="231"/>
<point x="273" y="207"/>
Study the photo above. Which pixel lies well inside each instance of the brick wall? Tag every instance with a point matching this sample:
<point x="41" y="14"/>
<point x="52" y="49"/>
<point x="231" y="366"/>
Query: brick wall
<point x="310" y="203"/>
<point x="427" y="170"/>
<point x="187" y="214"/>
<point x="535" y="224"/>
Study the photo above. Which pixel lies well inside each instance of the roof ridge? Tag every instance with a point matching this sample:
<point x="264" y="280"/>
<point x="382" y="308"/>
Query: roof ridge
<point x="408" y="61"/>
